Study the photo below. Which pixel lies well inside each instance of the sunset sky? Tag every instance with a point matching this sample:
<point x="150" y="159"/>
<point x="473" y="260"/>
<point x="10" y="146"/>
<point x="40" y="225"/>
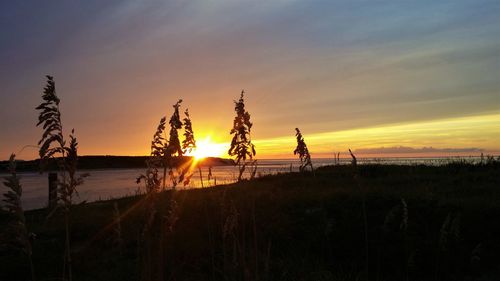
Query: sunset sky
<point x="379" y="77"/>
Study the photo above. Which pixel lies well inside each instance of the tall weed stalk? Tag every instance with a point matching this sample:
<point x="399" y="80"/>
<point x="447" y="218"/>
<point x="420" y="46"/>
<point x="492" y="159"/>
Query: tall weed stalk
<point x="303" y="152"/>
<point x="173" y="147"/>
<point x="156" y="227"/>
<point x="53" y="144"/>
<point x="188" y="146"/>
<point x="21" y="237"/>
<point x="241" y="144"/>
<point x="355" y="176"/>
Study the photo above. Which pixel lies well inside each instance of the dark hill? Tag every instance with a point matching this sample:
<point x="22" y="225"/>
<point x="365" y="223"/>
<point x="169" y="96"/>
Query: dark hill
<point x="110" y="162"/>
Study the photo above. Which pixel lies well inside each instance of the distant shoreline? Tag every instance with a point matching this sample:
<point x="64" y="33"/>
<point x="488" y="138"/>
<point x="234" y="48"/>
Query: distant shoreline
<point x="110" y="162"/>
<point x="98" y="162"/>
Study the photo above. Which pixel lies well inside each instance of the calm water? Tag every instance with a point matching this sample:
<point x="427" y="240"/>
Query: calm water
<point x="115" y="183"/>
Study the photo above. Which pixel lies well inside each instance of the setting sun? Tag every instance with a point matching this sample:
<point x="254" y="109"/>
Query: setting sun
<point x="207" y="148"/>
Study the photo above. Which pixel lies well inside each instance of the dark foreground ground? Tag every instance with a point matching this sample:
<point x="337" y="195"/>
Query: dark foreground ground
<point x="423" y="223"/>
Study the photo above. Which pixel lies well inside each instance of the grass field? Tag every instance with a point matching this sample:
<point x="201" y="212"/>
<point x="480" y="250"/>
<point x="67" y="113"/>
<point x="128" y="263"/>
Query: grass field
<point x="385" y="223"/>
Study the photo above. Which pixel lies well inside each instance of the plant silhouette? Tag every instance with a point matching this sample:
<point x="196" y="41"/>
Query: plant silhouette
<point x="17" y="232"/>
<point x="302" y="151"/>
<point x="53" y="144"/>
<point x="241" y="144"/>
<point x="188" y="145"/>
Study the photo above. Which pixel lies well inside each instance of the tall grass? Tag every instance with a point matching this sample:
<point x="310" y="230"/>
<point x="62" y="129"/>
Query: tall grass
<point x="156" y="227"/>
<point x="241" y="144"/>
<point x="173" y="147"/>
<point x="20" y="237"/>
<point x="303" y="152"/>
<point x="164" y="151"/>
<point x="291" y="227"/>
<point x="53" y="144"/>
<point x="188" y="146"/>
<point x="145" y="244"/>
<point x="361" y="190"/>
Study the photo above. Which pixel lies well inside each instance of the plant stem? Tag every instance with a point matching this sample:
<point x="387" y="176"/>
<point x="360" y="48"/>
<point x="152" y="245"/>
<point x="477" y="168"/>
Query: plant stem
<point x="365" y="222"/>
<point x="68" y="192"/>
<point x="68" y="245"/>
<point x="164" y="175"/>
<point x="201" y="177"/>
<point x="32" y="268"/>
<point x="255" y="244"/>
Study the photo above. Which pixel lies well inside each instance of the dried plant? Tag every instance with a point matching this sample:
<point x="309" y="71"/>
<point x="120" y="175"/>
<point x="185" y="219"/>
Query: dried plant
<point x="229" y="234"/>
<point x="445" y="233"/>
<point x="397" y="217"/>
<point x="172" y="177"/>
<point x="172" y="216"/>
<point x="173" y="147"/>
<point x="188" y="145"/>
<point x="21" y="237"/>
<point x="455" y="228"/>
<point x="163" y="151"/>
<point x="158" y="142"/>
<point x="68" y="187"/>
<point x="209" y="176"/>
<point x="450" y="232"/>
<point x="52" y="141"/>
<point x="404" y="220"/>
<point x="146" y="239"/>
<point x="174" y="144"/>
<point x="241" y="144"/>
<point x="354" y="160"/>
<point x="396" y="223"/>
<point x="363" y="210"/>
<point x="53" y="144"/>
<point x="66" y="191"/>
<point x="302" y="151"/>
<point x="231" y="220"/>
<point x="253" y="169"/>
<point x="151" y="239"/>
<point x="151" y="178"/>
<point x="152" y="182"/>
<point x="210" y="173"/>
<point x="449" y="242"/>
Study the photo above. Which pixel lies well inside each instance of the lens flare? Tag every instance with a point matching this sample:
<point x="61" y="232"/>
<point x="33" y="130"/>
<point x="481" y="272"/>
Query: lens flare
<point x="207" y="148"/>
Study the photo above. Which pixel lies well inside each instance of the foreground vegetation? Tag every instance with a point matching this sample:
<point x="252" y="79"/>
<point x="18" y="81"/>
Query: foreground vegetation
<point x="423" y="223"/>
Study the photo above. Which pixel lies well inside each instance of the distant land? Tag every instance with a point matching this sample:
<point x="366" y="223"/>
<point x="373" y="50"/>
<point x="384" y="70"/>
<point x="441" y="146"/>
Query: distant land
<point x="109" y="162"/>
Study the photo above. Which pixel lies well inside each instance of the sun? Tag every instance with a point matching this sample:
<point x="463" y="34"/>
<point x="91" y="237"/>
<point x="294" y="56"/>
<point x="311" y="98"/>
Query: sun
<point x="207" y="148"/>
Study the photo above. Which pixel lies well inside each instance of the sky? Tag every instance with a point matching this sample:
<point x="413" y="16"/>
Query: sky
<point x="380" y="77"/>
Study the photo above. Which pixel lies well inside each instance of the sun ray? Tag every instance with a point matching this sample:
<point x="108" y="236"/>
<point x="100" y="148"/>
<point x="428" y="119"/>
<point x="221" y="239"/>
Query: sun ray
<point x="206" y="148"/>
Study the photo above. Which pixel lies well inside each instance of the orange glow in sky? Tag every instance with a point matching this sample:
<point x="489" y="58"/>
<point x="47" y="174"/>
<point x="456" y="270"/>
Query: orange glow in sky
<point x="206" y="148"/>
<point x="403" y="76"/>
